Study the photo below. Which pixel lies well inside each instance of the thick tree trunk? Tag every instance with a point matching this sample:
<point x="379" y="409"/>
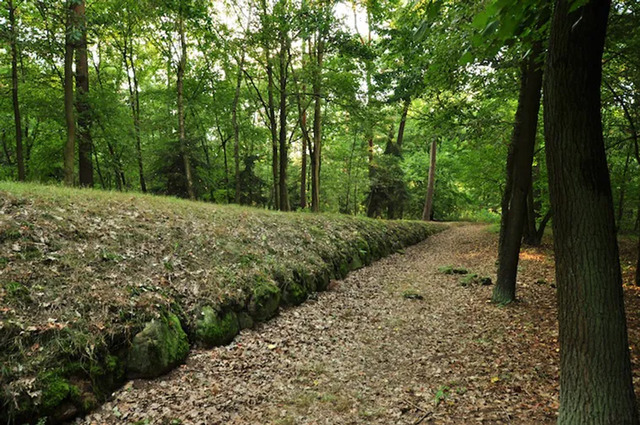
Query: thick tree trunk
<point x="595" y="370"/>
<point x="236" y="131"/>
<point x="85" y="163"/>
<point x="181" y="125"/>
<point x="70" y="145"/>
<point x="317" y="126"/>
<point x="524" y="140"/>
<point x="431" y="184"/>
<point x="14" y="92"/>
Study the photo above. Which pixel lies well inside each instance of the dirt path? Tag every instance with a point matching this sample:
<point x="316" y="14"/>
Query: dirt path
<point x="364" y="354"/>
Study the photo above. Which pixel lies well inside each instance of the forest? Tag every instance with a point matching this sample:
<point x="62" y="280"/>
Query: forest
<point x="156" y="142"/>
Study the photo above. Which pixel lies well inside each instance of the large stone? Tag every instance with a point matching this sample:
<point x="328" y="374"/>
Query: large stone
<point x="265" y="301"/>
<point x="213" y="329"/>
<point x="161" y="346"/>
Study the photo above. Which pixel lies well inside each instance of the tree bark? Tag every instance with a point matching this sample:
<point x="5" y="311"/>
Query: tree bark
<point x="70" y="145"/>
<point x="284" y="151"/>
<point x="14" y="92"/>
<point x="523" y="144"/>
<point x="236" y="131"/>
<point x="431" y="184"/>
<point x="595" y="370"/>
<point x="85" y="163"/>
<point x="182" y="64"/>
<point x="134" y="102"/>
<point x="403" y="122"/>
<point x="317" y="125"/>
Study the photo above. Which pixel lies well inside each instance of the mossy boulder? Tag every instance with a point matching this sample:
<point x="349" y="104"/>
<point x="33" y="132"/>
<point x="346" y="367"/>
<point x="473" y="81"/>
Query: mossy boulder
<point x="160" y="347"/>
<point x="213" y="329"/>
<point x="356" y="262"/>
<point x="245" y="321"/>
<point x="264" y="302"/>
<point x="295" y="293"/>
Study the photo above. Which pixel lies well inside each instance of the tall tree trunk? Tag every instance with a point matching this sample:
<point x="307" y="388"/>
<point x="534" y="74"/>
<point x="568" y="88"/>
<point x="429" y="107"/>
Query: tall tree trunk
<point x="134" y="103"/>
<point x="236" y="131"/>
<point x="284" y="151"/>
<point x="524" y="140"/>
<point x="70" y="145"/>
<point x="272" y="127"/>
<point x="181" y="126"/>
<point x="595" y="370"/>
<point x="431" y="184"/>
<point x="303" y="160"/>
<point x="85" y="163"/>
<point x="14" y="92"/>
<point x="317" y="125"/>
<point x="623" y="188"/>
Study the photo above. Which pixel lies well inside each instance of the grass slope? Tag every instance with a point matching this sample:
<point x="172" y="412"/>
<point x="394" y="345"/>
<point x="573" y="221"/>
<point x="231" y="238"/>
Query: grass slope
<point x="83" y="271"/>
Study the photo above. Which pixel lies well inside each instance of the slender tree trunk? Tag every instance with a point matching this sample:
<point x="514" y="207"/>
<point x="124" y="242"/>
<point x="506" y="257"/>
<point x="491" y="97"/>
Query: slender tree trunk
<point x="70" y="145"/>
<point x="431" y="184"/>
<point x="403" y="122"/>
<point x="284" y="151"/>
<point x="272" y="127"/>
<point x="181" y="125"/>
<point x="236" y="131"/>
<point x="14" y="92"/>
<point x="524" y="140"/>
<point x="595" y="370"/>
<point x="85" y="163"/>
<point x="317" y="125"/>
<point x="623" y="188"/>
<point x="134" y="102"/>
<point x="303" y="160"/>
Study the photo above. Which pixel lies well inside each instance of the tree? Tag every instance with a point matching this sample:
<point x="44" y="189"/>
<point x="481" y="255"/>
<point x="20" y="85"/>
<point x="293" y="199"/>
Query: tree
<point x="85" y="164"/>
<point x="595" y="370"/>
<point x="428" y="204"/>
<point x="519" y="166"/>
<point x="69" y="47"/>
<point x="14" y="89"/>
<point x="182" y="65"/>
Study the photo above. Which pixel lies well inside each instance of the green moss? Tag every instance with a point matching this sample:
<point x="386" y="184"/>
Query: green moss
<point x="55" y="390"/>
<point x="356" y="262"/>
<point x="265" y="300"/>
<point x="160" y="346"/>
<point x="213" y="329"/>
<point x="294" y="293"/>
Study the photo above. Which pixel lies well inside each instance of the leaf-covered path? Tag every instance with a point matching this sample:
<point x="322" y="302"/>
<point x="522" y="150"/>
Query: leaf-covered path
<point x="363" y="353"/>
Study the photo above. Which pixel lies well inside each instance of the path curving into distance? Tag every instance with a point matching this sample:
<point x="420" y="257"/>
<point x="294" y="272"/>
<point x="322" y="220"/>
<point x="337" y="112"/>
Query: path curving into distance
<point x="363" y="353"/>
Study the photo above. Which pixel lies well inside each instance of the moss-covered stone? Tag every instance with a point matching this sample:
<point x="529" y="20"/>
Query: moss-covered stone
<point x="213" y="329"/>
<point x="160" y="346"/>
<point x="55" y="390"/>
<point x="264" y="301"/>
<point x="294" y="293"/>
<point x="356" y="262"/>
<point x="107" y="375"/>
<point x="460" y="270"/>
<point x="245" y="321"/>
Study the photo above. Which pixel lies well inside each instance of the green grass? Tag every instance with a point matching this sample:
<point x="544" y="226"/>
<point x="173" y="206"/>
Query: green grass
<point x="82" y="271"/>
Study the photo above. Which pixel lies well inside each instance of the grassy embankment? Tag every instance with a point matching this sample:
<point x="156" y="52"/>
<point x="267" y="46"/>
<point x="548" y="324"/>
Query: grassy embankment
<point x="98" y="287"/>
